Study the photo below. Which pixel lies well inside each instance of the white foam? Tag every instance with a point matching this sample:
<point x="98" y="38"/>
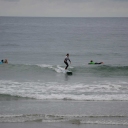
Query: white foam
<point x="45" y="65"/>
<point x="65" y="91"/>
<point x="75" y="119"/>
<point x="59" y="69"/>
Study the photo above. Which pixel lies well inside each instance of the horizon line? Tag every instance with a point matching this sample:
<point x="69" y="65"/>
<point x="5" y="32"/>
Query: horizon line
<point x="67" y="17"/>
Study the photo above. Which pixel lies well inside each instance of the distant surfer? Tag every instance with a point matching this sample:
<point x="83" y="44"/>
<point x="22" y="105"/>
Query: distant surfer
<point x="4" y="61"/>
<point x="91" y="62"/>
<point x="67" y="59"/>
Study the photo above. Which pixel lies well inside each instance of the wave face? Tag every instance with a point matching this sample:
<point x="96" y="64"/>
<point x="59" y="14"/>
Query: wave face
<point x="74" y="119"/>
<point x="94" y="70"/>
<point x="103" y="70"/>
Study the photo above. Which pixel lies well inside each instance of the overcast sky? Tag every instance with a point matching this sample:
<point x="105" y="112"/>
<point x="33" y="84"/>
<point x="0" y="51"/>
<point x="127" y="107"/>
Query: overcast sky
<point x="64" y="8"/>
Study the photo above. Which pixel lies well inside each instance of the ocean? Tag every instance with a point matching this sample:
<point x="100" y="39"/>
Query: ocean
<point x="34" y="89"/>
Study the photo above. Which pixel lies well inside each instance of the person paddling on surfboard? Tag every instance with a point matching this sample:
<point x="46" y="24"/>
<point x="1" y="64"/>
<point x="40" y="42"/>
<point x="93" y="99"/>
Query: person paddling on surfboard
<point x="67" y="59"/>
<point x="91" y="62"/>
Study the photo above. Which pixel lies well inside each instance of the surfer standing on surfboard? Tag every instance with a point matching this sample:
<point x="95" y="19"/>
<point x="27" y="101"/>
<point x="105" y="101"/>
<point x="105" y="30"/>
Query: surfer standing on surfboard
<point x="65" y="61"/>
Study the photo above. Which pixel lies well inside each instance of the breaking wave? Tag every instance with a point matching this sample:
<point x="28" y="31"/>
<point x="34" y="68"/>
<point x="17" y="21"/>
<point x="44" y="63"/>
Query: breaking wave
<point x="73" y="119"/>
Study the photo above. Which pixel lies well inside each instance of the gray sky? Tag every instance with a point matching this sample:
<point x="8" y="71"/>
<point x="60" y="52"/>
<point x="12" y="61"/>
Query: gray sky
<point x="64" y="8"/>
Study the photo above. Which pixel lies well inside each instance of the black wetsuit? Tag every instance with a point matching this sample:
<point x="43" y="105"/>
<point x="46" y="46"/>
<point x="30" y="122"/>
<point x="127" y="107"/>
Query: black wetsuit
<point x="65" y="61"/>
<point x="99" y="63"/>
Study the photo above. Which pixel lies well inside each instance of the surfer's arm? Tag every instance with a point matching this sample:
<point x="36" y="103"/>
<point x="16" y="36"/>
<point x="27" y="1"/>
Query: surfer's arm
<point x="69" y="61"/>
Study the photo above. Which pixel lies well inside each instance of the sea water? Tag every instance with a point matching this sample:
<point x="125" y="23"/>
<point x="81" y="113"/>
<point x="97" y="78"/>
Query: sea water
<point x="36" y="47"/>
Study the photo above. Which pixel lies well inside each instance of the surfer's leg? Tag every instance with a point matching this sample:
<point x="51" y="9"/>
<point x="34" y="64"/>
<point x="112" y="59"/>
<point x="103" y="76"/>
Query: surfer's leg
<point x="66" y="65"/>
<point x="99" y="63"/>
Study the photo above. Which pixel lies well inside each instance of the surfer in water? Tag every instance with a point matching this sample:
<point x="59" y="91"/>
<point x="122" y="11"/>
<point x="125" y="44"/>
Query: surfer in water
<point x="4" y="61"/>
<point x="91" y="62"/>
<point x="67" y="59"/>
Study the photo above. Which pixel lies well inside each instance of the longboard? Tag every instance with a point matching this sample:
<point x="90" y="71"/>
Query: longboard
<point x="69" y="73"/>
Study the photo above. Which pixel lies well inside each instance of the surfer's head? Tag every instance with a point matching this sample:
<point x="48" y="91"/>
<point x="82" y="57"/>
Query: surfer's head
<point x="91" y="61"/>
<point x="67" y="54"/>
